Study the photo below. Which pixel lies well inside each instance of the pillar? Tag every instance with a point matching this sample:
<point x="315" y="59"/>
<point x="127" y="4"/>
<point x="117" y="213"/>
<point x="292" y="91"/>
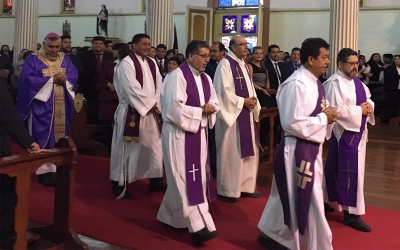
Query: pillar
<point x="159" y="21"/>
<point x="26" y="25"/>
<point x="343" y="29"/>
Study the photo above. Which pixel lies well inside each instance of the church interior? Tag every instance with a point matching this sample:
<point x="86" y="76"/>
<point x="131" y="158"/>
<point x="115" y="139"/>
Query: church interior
<point x="81" y="212"/>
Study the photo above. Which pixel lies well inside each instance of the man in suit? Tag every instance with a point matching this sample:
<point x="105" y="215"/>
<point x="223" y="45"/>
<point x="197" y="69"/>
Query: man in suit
<point x="293" y="63"/>
<point x="217" y="53"/>
<point x="10" y="125"/>
<point x="92" y="63"/>
<point x="277" y="72"/>
<point x="161" y="52"/>
<point x="66" y="49"/>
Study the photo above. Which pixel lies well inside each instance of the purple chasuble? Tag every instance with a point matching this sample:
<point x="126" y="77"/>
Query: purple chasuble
<point x="341" y="167"/>
<point x="30" y="83"/>
<point x="132" y="122"/>
<point x="306" y="153"/>
<point x="193" y="166"/>
<point x="244" y="124"/>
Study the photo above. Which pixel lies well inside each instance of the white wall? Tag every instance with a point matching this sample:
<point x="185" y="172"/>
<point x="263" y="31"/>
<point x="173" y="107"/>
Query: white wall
<point x="300" y="4"/>
<point x="289" y="29"/>
<point x="381" y="3"/>
<point x="379" y="31"/>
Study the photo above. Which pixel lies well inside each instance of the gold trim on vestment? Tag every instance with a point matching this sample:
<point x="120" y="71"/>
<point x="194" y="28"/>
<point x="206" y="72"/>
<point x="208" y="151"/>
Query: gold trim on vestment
<point x="54" y="67"/>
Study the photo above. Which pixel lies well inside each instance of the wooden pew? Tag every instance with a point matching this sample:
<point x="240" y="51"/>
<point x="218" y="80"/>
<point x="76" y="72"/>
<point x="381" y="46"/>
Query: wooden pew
<point x="21" y="167"/>
<point x="81" y="132"/>
<point x="271" y="113"/>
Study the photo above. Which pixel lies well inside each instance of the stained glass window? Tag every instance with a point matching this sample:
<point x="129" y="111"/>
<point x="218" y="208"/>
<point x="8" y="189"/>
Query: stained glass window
<point x="229" y="24"/>
<point x="249" y="24"/>
<point x="7" y="6"/>
<point x="234" y="3"/>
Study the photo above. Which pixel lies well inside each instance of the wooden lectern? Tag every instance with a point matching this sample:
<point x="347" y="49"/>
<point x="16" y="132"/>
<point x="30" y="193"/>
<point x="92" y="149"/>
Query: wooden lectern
<point x="21" y="167"/>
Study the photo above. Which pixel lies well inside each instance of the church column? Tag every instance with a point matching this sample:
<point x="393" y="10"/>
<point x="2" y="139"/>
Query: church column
<point x="26" y="25"/>
<point x="159" y="21"/>
<point x="343" y="28"/>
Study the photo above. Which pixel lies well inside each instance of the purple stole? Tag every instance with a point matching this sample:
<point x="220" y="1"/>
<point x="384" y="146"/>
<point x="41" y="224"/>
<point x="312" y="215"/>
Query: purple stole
<point x="306" y="153"/>
<point x="244" y="124"/>
<point x="132" y="122"/>
<point x="194" y="185"/>
<point x="341" y="167"/>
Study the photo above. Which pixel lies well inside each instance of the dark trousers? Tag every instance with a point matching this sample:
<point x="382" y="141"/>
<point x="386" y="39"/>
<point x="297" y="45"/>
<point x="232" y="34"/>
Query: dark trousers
<point x="392" y="105"/>
<point x="264" y="133"/>
<point x="8" y="200"/>
<point x="212" y="149"/>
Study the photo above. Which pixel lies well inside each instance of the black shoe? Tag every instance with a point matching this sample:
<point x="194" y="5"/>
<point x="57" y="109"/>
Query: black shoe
<point x="269" y="243"/>
<point x="157" y="185"/>
<point x="328" y="208"/>
<point x="199" y="237"/>
<point x="227" y="199"/>
<point x="117" y="190"/>
<point x="47" y="179"/>
<point x="256" y="194"/>
<point x="355" y="222"/>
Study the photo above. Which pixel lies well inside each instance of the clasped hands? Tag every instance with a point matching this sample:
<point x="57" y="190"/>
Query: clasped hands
<point x="366" y="108"/>
<point x="330" y="114"/>
<point x="250" y="102"/>
<point x="60" y="79"/>
<point x="208" y="109"/>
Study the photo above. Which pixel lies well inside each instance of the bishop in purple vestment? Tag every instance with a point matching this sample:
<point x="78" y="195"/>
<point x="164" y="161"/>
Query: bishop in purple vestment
<point x="46" y="92"/>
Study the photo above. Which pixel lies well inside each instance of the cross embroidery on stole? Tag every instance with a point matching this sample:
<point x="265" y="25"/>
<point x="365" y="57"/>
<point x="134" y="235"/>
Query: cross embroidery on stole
<point x="304" y="174"/>
<point x="239" y="77"/>
<point x="193" y="171"/>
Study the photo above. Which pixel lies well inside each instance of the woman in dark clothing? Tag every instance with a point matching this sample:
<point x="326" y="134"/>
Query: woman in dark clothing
<point x="392" y="90"/>
<point x="376" y="66"/>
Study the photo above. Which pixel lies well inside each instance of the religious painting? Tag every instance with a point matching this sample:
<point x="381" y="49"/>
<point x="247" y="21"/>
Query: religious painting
<point x="7" y="6"/>
<point x="69" y="5"/>
<point x="229" y="24"/>
<point x="249" y="24"/>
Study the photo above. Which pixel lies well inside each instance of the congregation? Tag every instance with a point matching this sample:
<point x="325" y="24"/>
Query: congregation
<point x="193" y="116"/>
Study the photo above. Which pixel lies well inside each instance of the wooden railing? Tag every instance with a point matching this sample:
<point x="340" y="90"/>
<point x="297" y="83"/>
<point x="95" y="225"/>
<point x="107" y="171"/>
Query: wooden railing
<point x="21" y="167"/>
<point x="271" y="113"/>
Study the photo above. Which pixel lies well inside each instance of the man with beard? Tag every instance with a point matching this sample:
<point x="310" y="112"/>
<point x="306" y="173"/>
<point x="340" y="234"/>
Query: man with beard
<point x="345" y="164"/>
<point x="66" y="49"/>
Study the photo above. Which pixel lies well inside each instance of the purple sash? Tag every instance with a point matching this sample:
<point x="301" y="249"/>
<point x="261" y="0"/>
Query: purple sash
<point x="341" y="167"/>
<point x="246" y="140"/>
<point x="306" y="153"/>
<point x="193" y="166"/>
<point x="132" y="122"/>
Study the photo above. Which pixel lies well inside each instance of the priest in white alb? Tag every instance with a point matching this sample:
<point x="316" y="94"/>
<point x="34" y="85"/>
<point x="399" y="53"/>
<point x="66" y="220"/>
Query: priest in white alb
<point x="235" y="130"/>
<point x="345" y="164"/>
<point x="294" y="216"/>
<point x="136" y="144"/>
<point x="189" y="106"/>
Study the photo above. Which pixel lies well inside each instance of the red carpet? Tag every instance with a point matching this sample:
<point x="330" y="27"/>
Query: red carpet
<point x="132" y="223"/>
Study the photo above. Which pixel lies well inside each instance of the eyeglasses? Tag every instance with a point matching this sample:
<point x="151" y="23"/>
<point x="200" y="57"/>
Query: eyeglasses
<point x="172" y="63"/>
<point x="204" y="56"/>
<point x="352" y="63"/>
<point x="242" y="44"/>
